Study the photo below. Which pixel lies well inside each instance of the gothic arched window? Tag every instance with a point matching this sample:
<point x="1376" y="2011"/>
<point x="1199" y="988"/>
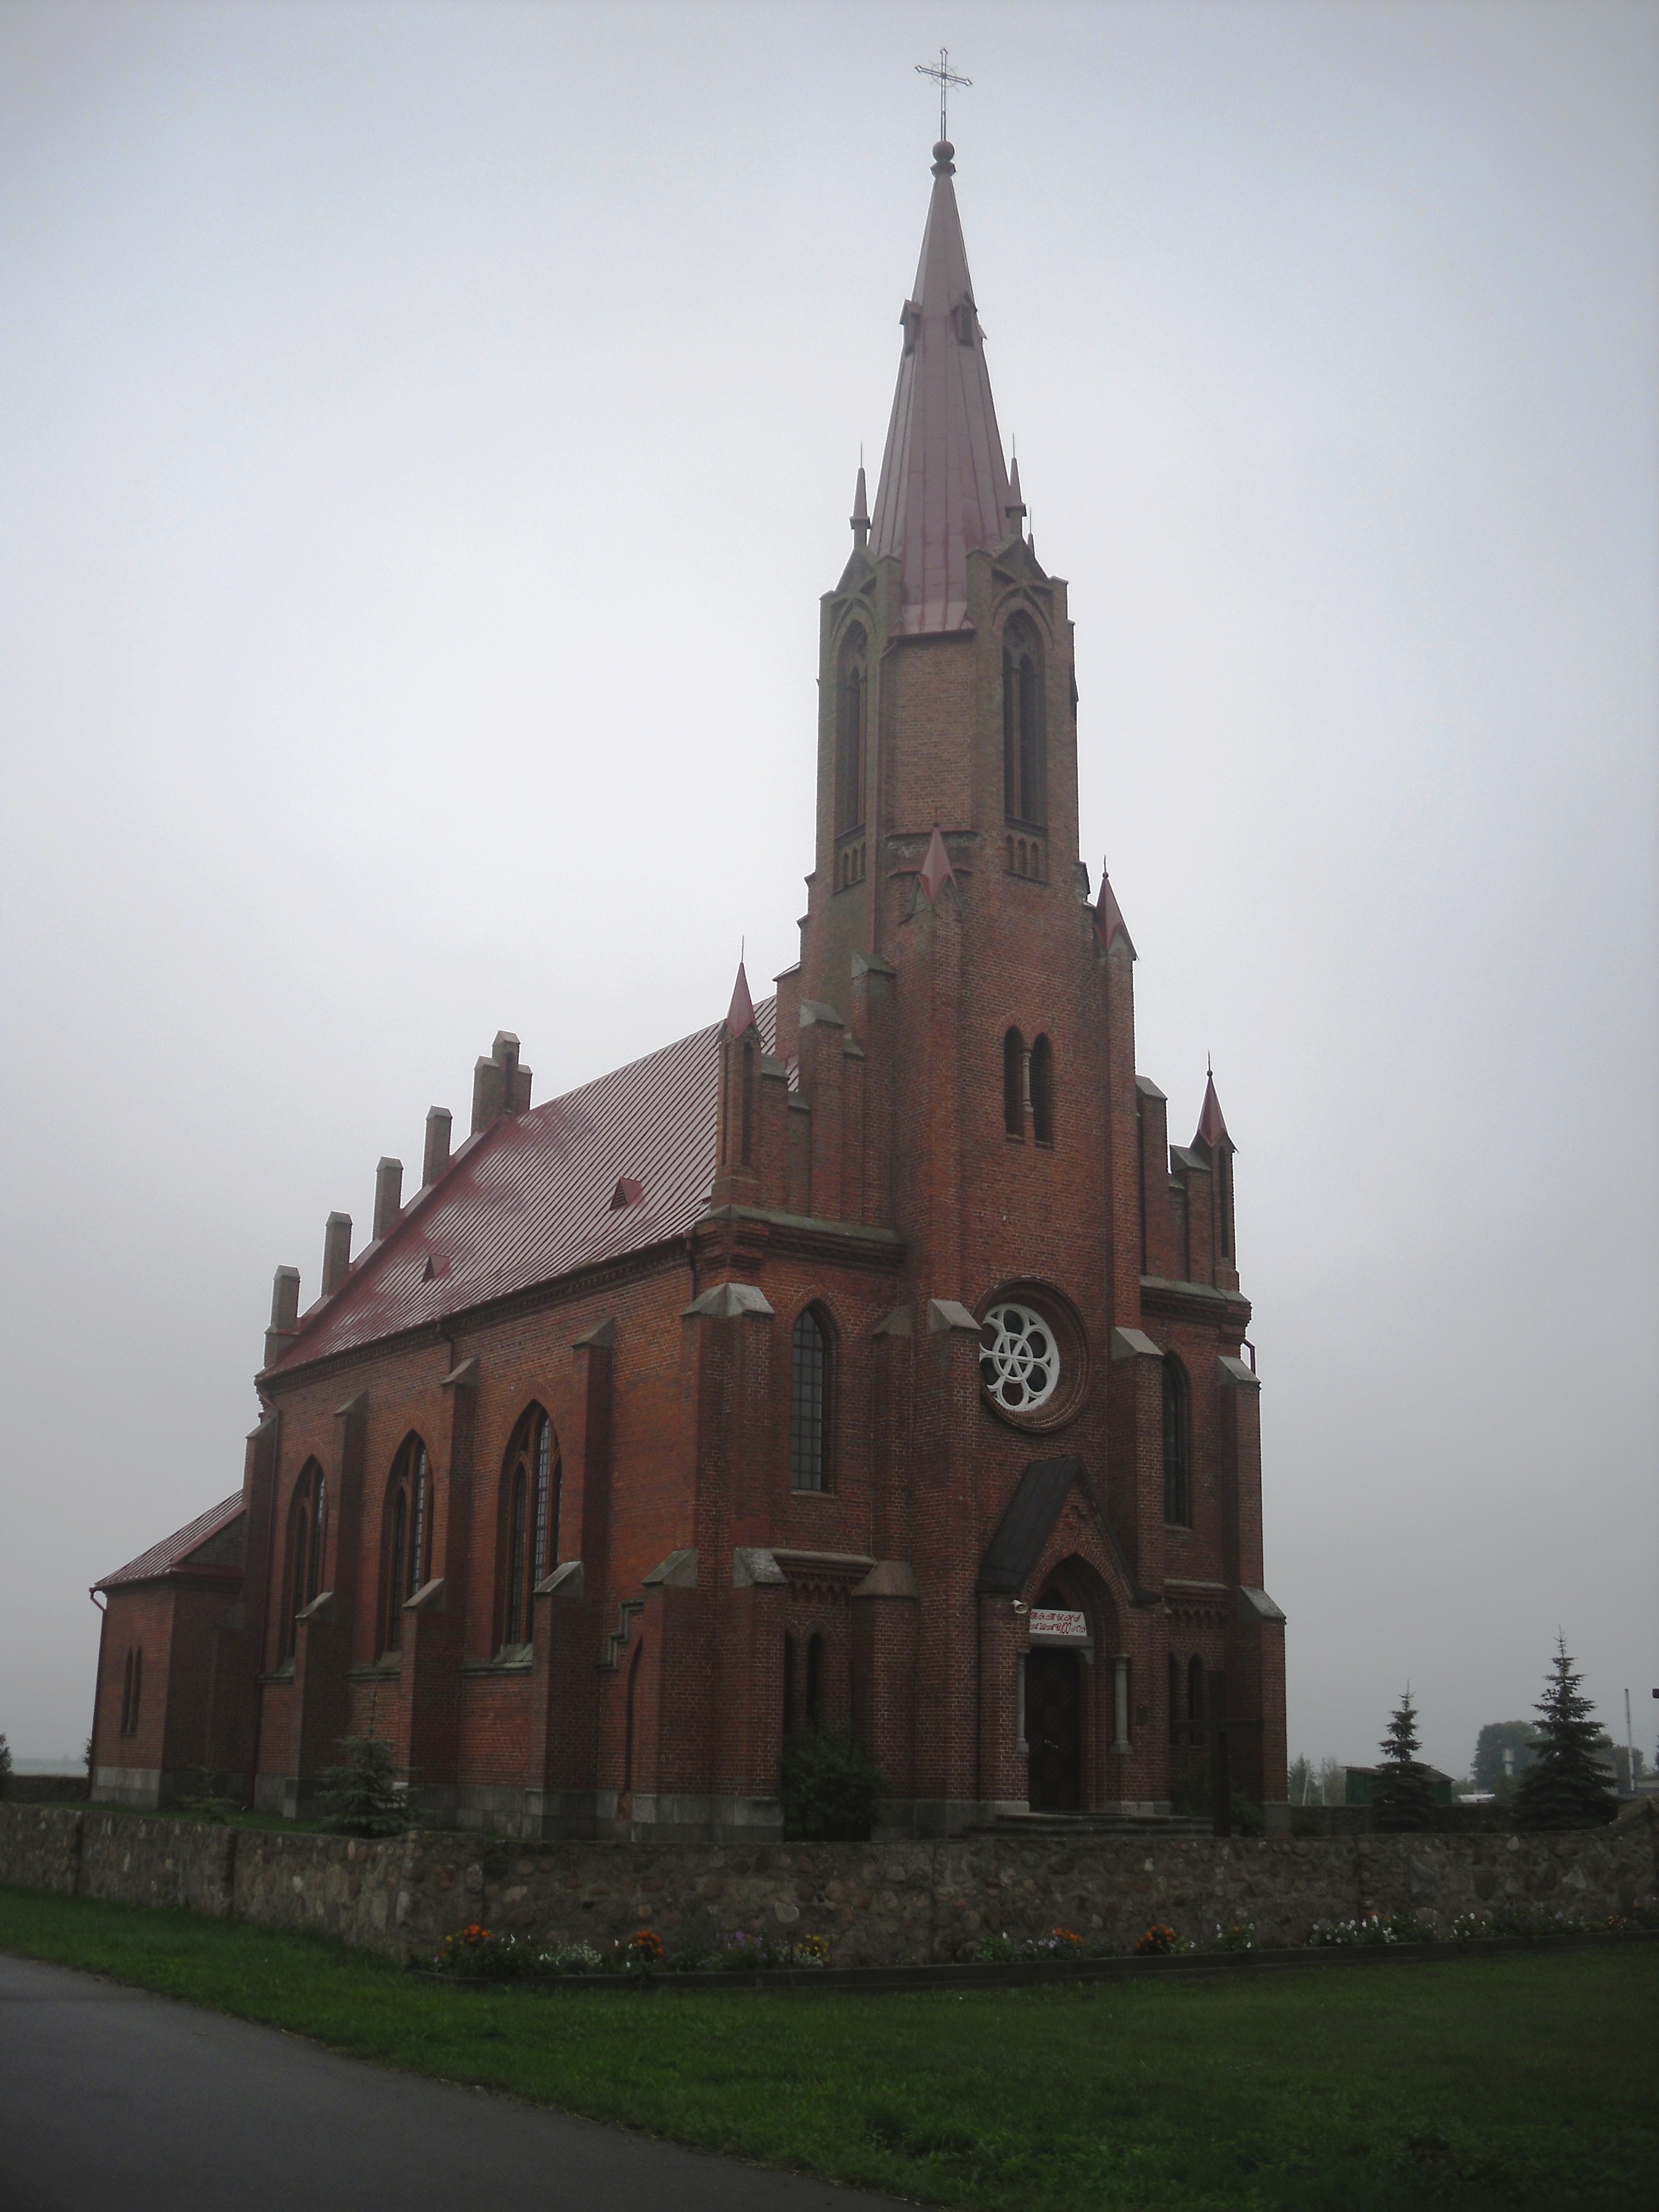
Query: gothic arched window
<point x="1177" y="1484"/>
<point x="809" y="1403"/>
<point x="1025" y="764"/>
<point x="1013" y="1083"/>
<point x="409" y="1535"/>
<point x="531" y="1548"/>
<point x="308" y="1530"/>
<point x="1043" y="1091"/>
<point x="852" y="716"/>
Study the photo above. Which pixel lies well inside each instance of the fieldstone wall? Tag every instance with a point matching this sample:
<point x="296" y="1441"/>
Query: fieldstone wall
<point x="878" y="1904"/>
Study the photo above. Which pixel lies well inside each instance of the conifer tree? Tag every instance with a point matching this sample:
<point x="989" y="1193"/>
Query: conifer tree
<point x="363" y="1796"/>
<point x="1564" y="1788"/>
<point x="1403" y="1798"/>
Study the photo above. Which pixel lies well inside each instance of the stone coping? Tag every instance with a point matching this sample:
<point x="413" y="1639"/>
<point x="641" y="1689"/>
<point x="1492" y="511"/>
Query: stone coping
<point x="1000" y="1974"/>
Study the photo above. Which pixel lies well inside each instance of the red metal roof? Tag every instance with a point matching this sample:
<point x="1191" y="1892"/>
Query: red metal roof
<point x="173" y="1551"/>
<point x="1212" y="1128"/>
<point x="531" y="1198"/>
<point x="945" y="487"/>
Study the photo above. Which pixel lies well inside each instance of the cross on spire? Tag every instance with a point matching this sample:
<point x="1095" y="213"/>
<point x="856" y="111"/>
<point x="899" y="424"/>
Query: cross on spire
<point x="944" y="76"/>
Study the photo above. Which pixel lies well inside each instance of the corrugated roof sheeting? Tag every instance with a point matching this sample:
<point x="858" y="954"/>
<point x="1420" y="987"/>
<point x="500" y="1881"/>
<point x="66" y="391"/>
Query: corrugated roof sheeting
<point x="532" y="1200"/>
<point x="161" y="1557"/>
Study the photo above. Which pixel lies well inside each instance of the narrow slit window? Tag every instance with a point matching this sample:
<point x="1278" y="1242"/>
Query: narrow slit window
<point x="1013" y="1083"/>
<point x="1043" y="1091"/>
<point x="1177" y="1484"/>
<point x="809" y="1391"/>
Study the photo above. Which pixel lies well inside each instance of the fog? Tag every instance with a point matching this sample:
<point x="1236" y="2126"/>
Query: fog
<point x="426" y="433"/>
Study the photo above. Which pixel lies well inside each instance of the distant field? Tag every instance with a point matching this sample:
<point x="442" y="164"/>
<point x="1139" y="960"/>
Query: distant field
<point x="1466" y="2084"/>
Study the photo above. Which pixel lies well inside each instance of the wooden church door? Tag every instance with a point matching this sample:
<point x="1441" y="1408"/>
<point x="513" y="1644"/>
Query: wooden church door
<point x="1054" y="1731"/>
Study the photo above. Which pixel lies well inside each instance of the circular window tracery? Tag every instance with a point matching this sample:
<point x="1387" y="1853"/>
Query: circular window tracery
<point x="1020" y="1359"/>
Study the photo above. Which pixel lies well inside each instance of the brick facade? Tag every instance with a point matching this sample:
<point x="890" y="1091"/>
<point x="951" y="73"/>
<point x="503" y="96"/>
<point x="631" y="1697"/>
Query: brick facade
<point x="938" y="1115"/>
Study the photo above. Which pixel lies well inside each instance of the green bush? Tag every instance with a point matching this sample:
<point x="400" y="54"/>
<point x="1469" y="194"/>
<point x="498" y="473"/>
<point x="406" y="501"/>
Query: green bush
<point x="363" y="1795"/>
<point x="831" y="1787"/>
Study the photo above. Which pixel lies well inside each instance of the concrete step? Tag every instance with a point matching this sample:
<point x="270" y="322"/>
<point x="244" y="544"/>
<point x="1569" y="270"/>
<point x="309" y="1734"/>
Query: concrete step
<point x="1152" y="1826"/>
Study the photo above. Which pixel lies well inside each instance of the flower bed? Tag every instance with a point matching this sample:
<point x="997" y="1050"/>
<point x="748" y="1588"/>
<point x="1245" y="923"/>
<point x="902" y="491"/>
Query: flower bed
<point x="478" y="1954"/>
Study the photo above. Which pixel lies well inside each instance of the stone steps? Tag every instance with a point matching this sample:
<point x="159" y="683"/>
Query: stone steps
<point x="1149" y="1826"/>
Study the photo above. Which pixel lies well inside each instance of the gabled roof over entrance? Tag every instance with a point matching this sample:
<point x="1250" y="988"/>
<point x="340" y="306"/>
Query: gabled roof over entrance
<point x="1013" y="1553"/>
<point x="211" y="1543"/>
<point x="534" y="1196"/>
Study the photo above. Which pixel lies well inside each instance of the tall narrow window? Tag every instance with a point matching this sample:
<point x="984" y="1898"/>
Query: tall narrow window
<point x="809" y="1393"/>
<point x="1175" y="1697"/>
<point x="1024" y="764"/>
<point x="138" y="1688"/>
<point x="539" y="1561"/>
<point x="1195" y="1688"/>
<point x="788" y="1683"/>
<point x="852" y="707"/>
<point x="409" y="1535"/>
<point x="1177" y="1488"/>
<point x="517" y="1627"/>
<point x="1043" y="1091"/>
<point x="1013" y="1083"/>
<point x="126" y="1697"/>
<point x="307" y="1530"/>
<point x="396" y="1568"/>
<point x="529" y="1533"/>
<point x="815" y="1682"/>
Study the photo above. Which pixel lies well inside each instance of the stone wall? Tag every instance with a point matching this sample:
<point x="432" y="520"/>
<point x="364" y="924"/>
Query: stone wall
<point x="878" y="1904"/>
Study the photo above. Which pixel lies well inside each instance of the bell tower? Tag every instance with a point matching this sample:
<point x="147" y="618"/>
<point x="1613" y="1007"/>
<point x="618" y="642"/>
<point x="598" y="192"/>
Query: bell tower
<point x="947" y="704"/>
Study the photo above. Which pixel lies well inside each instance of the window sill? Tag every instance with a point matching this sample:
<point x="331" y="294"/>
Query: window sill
<point x="823" y="1491"/>
<point x="511" y="1659"/>
<point x="386" y="1668"/>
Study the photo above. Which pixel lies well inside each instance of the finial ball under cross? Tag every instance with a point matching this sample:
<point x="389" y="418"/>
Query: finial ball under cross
<point x="944" y="76"/>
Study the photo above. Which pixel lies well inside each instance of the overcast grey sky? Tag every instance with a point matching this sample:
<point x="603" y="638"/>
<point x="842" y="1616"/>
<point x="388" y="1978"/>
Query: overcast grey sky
<point x="424" y="434"/>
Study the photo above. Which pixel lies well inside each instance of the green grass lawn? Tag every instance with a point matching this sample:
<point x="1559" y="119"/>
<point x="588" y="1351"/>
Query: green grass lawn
<point x="1523" y="2081"/>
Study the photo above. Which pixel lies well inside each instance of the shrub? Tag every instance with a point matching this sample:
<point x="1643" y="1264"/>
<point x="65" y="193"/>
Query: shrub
<point x="363" y="1795"/>
<point x="831" y="1787"/>
<point x="1373" y="1927"/>
<point x="1159" y="1941"/>
<point x="5" y="1768"/>
<point x="1236" y="1935"/>
<point x="996" y="1950"/>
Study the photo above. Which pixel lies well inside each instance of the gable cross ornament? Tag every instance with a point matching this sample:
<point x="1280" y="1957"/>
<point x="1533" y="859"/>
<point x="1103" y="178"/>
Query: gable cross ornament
<point x="944" y="76"/>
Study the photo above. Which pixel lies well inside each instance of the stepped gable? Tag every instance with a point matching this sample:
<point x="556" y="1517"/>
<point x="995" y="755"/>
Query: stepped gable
<point x="176" y="1550"/>
<point x="531" y="1197"/>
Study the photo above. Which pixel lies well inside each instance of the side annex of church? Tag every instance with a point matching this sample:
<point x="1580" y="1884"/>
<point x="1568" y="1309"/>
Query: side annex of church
<point x="868" y="1359"/>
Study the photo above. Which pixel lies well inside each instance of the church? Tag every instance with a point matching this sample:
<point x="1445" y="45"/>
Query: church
<point x="867" y="1359"/>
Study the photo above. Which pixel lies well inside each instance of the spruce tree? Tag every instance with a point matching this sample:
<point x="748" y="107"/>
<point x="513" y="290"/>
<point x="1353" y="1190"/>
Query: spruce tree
<point x="1564" y="1788"/>
<point x="363" y="1796"/>
<point x="1403" y="1797"/>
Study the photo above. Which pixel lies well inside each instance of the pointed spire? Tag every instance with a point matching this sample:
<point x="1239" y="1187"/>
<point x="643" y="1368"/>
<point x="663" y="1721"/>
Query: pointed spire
<point x="936" y="869"/>
<point x="944" y="490"/>
<point x="1212" y="1128"/>
<point x="860" y="514"/>
<point x="1110" y="924"/>
<point x="1015" y="510"/>
<point x="740" y="1014"/>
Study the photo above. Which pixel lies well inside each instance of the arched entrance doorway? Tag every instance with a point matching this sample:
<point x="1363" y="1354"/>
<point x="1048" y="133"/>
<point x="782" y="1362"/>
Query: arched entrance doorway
<point x="1054" y="1729"/>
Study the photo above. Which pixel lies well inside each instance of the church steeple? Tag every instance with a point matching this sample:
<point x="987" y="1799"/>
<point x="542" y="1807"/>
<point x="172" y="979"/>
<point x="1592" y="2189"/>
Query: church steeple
<point x="944" y="490"/>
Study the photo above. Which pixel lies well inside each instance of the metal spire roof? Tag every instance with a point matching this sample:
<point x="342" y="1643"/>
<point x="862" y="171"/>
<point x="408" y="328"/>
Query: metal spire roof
<point x="740" y="1014"/>
<point x="944" y="489"/>
<point x="1212" y="1128"/>
<point x="1110" y="924"/>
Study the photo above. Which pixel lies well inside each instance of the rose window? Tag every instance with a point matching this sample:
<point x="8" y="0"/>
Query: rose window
<point x="1018" y="1358"/>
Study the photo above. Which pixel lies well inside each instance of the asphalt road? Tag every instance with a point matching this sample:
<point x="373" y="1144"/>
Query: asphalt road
<point x="112" y="2100"/>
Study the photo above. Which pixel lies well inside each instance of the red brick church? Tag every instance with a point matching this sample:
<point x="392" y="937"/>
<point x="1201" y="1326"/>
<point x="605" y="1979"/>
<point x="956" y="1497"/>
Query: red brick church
<point x="866" y="1358"/>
